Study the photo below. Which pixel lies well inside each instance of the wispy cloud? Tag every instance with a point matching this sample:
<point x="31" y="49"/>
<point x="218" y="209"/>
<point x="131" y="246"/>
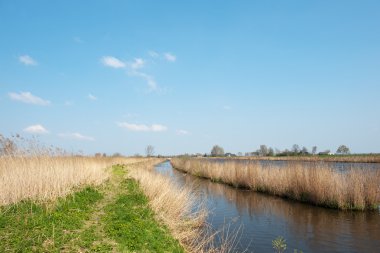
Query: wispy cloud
<point x="27" y="60"/>
<point x="76" y="136"/>
<point x="182" y="132"/>
<point x="152" y="84"/>
<point x="36" y="129"/>
<point x="170" y="57"/>
<point x="138" y="63"/>
<point x="135" y="67"/>
<point x="112" y="62"/>
<point x="142" y="127"/>
<point x="92" y="97"/>
<point x="153" y="54"/>
<point x="28" y="98"/>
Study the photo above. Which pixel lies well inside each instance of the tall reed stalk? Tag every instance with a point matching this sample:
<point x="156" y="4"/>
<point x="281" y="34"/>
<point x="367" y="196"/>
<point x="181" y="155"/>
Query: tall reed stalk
<point x="316" y="183"/>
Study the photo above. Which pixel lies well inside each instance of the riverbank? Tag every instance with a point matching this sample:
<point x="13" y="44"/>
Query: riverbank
<point x="129" y="209"/>
<point x="318" y="184"/>
<point x="112" y="217"/>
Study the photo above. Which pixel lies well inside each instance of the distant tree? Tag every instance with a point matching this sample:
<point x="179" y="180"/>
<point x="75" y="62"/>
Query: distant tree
<point x="343" y="150"/>
<point x="98" y="154"/>
<point x="295" y="149"/>
<point x="270" y="152"/>
<point x="117" y="154"/>
<point x="304" y="151"/>
<point x="104" y="155"/>
<point x="240" y="154"/>
<point x="217" y="151"/>
<point x="263" y="151"/>
<point x="314" y="150"/>
<point x="149" y="150"/>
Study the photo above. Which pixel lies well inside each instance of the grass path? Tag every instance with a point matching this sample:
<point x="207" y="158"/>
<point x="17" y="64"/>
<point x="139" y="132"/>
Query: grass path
<point x="114" y="217"/>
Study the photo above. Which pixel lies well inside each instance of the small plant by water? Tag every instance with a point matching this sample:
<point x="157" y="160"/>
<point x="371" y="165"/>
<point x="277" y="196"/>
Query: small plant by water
<point x="279" y="244"/>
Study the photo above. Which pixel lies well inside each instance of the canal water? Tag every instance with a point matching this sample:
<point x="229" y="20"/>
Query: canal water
<point x="259" y="218"/>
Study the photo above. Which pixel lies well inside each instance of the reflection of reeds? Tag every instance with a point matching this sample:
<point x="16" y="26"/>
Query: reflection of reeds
<point x="47" y="177"/>
<point x="178" y="208"/>
<point x="317" y="183"/>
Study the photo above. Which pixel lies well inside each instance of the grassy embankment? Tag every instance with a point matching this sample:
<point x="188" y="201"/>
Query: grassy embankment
<point x="317" y="184"/>
<point x="72" y="204"/>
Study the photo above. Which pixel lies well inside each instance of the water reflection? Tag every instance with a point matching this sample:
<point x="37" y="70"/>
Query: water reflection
<point x="263" y="218"/>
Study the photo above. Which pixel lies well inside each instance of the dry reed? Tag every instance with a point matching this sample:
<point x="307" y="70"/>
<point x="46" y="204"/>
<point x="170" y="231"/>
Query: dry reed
<point x="46" y="177"/>
<point x="179" y="209"/>
<point x="318" y="183"/>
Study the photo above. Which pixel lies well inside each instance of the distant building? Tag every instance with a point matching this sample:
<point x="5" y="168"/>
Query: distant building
<point x="327" y="152"/>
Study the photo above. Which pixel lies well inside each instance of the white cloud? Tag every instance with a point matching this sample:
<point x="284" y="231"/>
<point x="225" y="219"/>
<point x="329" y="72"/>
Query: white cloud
<point x="142" y="127"/>
<point x="27" y="60"/>
<point x="76" y="136"/>
<point x="92" y="97"/>
<point x="27" y="97"/>
<point x="170" y="57"/>
<point x="36" y="129"/>
<point x="112" y="62"/>
<point x="182" y="132"/>
<point x="152" y="85"/>
<point x="138" y="63"/>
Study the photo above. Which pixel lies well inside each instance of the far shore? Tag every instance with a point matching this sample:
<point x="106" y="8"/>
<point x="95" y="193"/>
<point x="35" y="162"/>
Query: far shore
<point x="309" y="158"/>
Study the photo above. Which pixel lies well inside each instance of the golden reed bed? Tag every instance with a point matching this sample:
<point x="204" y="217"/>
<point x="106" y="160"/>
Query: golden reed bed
<point x="43" y="178"/>
<point x="317" y="183"/>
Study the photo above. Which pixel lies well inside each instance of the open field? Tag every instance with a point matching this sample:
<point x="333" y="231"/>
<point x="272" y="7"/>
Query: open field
<point x="318" y="184"/>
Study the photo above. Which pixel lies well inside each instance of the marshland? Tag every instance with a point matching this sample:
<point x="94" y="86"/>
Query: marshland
<point x="69" y="203"/>
<point x="189" y="126"/>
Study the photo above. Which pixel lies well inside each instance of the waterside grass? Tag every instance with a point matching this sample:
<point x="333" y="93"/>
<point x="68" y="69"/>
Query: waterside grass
<point x="318" y="183"/>
<point x="180" y="209"/>
<point x="112" y="217"/>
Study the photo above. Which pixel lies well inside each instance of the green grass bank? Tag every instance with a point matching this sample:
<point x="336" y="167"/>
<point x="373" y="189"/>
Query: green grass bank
<point x="112" y="217"/>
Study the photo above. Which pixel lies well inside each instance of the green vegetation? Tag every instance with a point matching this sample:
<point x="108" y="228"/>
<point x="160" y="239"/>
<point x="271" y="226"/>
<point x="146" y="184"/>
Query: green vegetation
<point x="30" y="227"/>
<point x="279" y="244"/>
<point x="112" y="217"/>
<point x="131" y="223"/>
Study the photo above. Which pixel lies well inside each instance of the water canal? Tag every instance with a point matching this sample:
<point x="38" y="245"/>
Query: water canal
<point x="259" y="218"/>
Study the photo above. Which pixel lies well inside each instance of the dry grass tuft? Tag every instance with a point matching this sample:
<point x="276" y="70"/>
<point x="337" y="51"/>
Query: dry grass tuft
<point x="318" y="183"/>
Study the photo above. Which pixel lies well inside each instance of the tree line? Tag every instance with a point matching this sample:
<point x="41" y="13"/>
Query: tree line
<point x="296" y="150"/>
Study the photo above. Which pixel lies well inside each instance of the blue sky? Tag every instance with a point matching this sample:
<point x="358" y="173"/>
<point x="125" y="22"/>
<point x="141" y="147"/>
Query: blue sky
<point x="116" y="76"/>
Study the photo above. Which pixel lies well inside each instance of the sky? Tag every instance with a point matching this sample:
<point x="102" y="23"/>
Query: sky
<point x="116" y="76"/>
